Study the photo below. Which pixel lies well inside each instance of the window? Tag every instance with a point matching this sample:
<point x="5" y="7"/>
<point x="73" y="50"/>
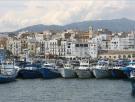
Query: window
<point x="81" y="45"/>
<point x="32" y="47"/>
<point x="85" y="45"/>
<point x="77" y="45"/>
<point x="69" y="43"/>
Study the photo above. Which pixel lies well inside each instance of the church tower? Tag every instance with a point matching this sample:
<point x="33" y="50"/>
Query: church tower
<point x="91" y="32"/>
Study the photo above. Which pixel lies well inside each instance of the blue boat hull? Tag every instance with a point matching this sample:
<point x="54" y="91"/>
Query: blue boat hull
<point x="49" y="73"/>
<point x="7" y="78"/>
<point x="28" y="74"/>
<point x="117" y="73"/>
<point x="127" y="70"/>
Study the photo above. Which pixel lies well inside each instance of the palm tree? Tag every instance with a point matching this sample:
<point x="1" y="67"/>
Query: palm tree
<point x="129" y="56"/>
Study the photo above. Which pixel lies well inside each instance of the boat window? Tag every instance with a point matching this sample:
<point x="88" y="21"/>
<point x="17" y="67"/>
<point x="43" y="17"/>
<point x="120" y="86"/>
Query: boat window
<point x="81" y="45"/>
<point x="67" y="66"/>
<point x="84" y="65"/>
<point x="133" y="63"/>
<point x="48" y="66"/>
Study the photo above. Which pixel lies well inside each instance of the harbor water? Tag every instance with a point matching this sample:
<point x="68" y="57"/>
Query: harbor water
<point x="66" y="90"/>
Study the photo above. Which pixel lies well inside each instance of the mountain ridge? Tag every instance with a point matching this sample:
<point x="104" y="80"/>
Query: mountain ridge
<point x="115" y="25"/>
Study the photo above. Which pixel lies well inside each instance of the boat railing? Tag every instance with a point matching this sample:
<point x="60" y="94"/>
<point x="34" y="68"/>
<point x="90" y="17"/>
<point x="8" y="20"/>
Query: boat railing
<point x="104" y="66"/>
<point x="7" y="71"/>
<point x="9" y="66"/>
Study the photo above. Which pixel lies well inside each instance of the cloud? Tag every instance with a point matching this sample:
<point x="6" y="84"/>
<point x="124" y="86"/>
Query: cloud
<point x="25" y="13"/>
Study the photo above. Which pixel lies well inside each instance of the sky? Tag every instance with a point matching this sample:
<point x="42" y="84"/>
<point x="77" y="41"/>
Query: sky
<point x="16" y="14"/>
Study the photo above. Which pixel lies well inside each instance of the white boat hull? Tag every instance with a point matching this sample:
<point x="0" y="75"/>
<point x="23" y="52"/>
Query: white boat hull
<point x="67" y="73"/>
<point x="101" y="73"/>
<point x="84" y="73"/>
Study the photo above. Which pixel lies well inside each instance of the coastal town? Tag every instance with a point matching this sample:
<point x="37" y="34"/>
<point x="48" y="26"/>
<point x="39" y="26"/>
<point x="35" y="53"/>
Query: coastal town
<point x="67" y="51"/>
<point x="72" y="44"/>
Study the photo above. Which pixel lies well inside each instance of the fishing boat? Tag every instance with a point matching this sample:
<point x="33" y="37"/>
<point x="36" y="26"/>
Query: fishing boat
<point x="116" y="69"/>
<point x="75" y="63"/>
<point x="29" y="71"/>
<point x="132" y="77"/>
<point x="48" y="71"/>
<point x="127" y="70"/>
<point x="117" y="72"/>
<point x="7" y="72"/>
<point x="101" y="69"/>
<point x="68" y="71"/>
<point x="84" y="71"/>
<point x="18" y="65"/>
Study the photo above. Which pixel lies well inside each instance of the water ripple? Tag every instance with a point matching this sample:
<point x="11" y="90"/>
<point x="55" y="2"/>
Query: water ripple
<point x="62" y="90"/>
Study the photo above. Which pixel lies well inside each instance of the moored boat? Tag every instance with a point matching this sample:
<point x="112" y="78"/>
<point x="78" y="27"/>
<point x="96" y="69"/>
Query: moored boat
<point x="101" y="70"/>
<point x="84" y="71"/>
<point x="116" y="70"/>
<point x="49" y="71"/>
<point x="29" y="71"/>
<point x="7" y="72"/>
<point x="68" y="71"/>
<point x="75" y="63"/>
<point x="127" y="70"/>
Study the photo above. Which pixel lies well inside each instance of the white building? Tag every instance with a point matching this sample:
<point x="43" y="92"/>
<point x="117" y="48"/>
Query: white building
<point x="39" y="37"/>
<point x="80" y="49"/>
<point x="131" y="40"/>
<point x="101" y="41"/>
<point x="62" y="48"/>
<point x="93" y="50"/>
<point x="69" y="49"/>
<point x="14" y="46"/>
<point x="118" y="42"/>
<point x="53" y="47"/>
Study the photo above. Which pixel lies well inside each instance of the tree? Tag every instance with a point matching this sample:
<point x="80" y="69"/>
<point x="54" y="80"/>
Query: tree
<point x="119" y="56"/>
<point x="114" y="57"/>
<point x="124" y="56"/>
<point x="129" y="56"/>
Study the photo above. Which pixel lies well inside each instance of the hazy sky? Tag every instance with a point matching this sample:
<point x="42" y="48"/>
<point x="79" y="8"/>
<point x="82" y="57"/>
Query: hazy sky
<point x="15" y="14"/>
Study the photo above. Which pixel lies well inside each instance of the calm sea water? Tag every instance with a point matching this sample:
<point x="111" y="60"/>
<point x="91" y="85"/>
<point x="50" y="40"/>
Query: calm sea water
<point x="66" y="90"/>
